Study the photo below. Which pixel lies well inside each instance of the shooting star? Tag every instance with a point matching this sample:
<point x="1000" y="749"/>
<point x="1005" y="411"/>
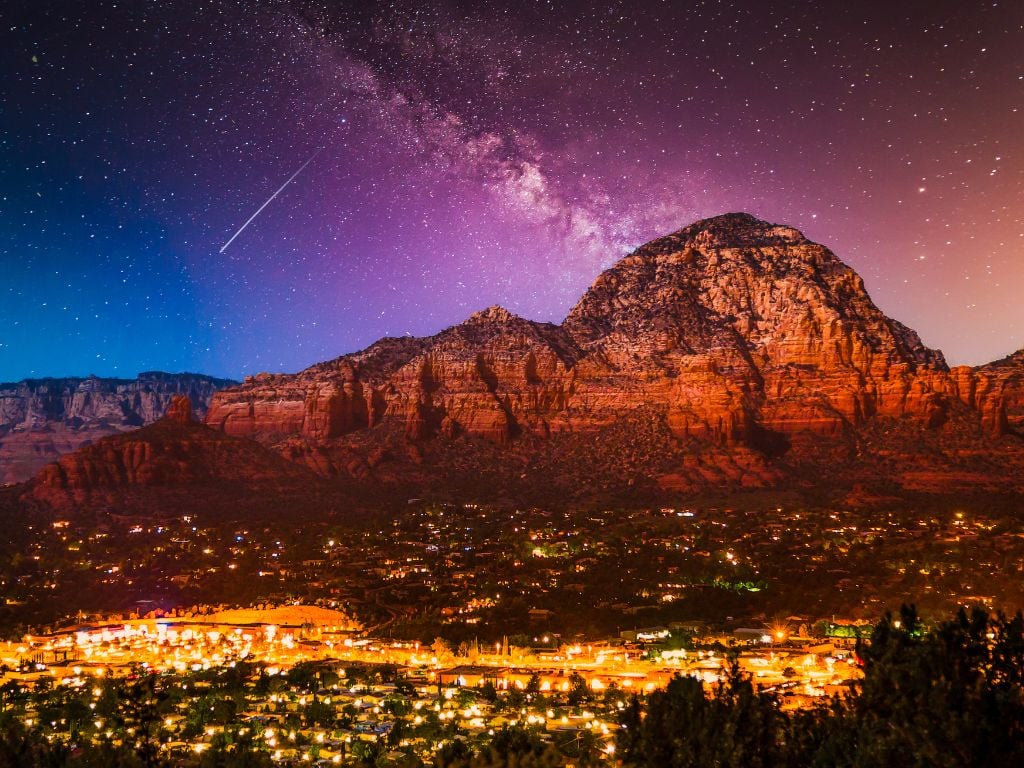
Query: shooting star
<point x="270" y="200"/>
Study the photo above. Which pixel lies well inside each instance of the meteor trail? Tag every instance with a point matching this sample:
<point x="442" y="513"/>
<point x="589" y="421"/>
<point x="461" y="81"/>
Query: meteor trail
<point x="269" y="200"/>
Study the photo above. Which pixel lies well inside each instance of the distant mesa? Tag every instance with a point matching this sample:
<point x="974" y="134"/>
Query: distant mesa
<point x="173" y="465"/>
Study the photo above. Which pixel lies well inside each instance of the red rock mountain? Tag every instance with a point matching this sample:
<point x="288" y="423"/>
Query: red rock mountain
<point x="731" y="354"/>
<point x="740" y="343"/>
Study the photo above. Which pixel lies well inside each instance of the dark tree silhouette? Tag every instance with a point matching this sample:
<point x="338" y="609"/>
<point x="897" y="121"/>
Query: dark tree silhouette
<point x="947" y="697"/>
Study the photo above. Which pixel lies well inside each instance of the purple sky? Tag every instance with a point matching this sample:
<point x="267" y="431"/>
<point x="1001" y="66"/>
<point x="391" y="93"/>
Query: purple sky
<point x="470" y="154"/>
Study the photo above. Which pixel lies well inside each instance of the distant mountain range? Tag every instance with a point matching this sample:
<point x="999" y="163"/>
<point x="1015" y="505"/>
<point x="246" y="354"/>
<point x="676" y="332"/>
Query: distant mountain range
<point x="733" y="354"/>
<point x="42" y="419"/>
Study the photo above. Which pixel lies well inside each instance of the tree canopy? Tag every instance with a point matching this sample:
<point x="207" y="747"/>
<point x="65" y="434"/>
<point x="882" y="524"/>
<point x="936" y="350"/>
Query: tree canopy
<point x="944" y="697"/>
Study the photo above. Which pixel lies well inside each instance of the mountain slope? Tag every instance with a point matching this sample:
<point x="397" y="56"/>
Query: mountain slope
<point x="1002" y="381"/>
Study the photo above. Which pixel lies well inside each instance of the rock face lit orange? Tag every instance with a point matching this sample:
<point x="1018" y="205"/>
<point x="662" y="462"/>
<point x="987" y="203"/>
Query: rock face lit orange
<point x="737" y="331"/>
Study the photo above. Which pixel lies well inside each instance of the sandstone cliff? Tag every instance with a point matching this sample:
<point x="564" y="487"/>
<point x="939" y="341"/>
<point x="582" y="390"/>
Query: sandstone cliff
<point x="744" y="340"/>
<point x="731" y="354"/>
<point x="43" y="419"/>
<point x="999" y="392"/>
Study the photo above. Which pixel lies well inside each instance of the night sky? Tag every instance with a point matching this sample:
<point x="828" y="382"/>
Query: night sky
<point x="462" y="155"/>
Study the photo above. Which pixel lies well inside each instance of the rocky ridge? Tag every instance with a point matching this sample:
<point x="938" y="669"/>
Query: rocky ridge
<point x="999" y="388"/>
<point x="43" y="419"/>
<point x="732" y="354"/>
<point x="740" y="335"/>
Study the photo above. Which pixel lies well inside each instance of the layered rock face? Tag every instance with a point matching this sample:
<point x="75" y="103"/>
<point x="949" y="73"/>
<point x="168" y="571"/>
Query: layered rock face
<point x="744" y="327"/>
<point x="43" y="419"/>
<point x="737" y="333"/>
<point x="998" y="392"/>
<point x="493" y="376"/>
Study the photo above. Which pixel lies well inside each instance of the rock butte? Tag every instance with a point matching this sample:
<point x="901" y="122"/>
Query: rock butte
<point x="737" y="333"/>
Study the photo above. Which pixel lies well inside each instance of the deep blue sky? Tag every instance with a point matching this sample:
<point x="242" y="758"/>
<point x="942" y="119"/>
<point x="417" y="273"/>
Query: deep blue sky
<point x="481" y="153"/>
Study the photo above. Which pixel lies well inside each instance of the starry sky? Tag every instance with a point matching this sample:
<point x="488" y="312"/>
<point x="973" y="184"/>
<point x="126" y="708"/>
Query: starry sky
<point x="453" y="155"/>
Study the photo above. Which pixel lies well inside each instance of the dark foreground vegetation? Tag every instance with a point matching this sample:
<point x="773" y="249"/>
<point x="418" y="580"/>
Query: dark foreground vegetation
<point x="949" y="696"/>
<point x="944" y="696"/>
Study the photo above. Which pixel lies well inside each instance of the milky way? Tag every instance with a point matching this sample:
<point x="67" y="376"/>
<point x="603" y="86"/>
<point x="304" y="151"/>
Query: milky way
<point x="481" y="153"/>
